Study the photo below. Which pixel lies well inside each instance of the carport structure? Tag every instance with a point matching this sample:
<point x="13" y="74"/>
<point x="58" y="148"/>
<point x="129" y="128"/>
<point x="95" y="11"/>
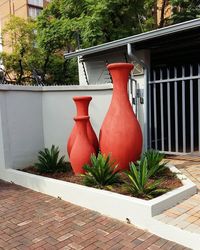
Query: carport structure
<point x="165" y="86"/>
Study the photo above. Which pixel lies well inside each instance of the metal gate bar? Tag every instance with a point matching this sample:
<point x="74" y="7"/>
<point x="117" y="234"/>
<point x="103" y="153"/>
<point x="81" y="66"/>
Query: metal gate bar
<point x="191" y="113"/>
<point x="199" y="105"/>
<point x="173" y="126"/>
<point x="150" y="120"/>
<point x="183" y="111"/>
<point x="176" y="109"/>
<point x="175" y="79"/>
<point x="155" y="112"/>
<point x="162" y="111"/>
<point x="169" y="113"/>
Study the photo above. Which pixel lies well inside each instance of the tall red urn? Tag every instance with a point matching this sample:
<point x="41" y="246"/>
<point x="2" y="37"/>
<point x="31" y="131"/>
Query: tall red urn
<point x="82" y="147"/>
<point x="82" y="104"/>
<point x="120" y="134"/>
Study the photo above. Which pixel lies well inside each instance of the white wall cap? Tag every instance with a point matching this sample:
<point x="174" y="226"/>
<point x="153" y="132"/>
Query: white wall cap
<point x="8" y="87"/>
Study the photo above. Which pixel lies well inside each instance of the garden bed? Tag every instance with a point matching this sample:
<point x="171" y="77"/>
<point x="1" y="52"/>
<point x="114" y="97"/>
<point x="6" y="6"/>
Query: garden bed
<point x="135" y="195"/>
<point x="169" y="180"/>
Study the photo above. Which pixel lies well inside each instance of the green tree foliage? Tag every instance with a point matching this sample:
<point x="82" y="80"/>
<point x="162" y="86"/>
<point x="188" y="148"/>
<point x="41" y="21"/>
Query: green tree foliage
<point x="25" y="54"/>
<point x="168" y="12"/>
<point x="94" y="22"/>
<point x="184" y="10"/>
<point x="67" y="25"/>
<point x="19" y="37"/>
<point x="111" y="20"/>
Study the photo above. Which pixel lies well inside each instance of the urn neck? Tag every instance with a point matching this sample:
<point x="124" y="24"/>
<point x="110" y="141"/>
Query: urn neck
<point x="81" y="123"/>
<point x="82" y="104"/>
<point x="120" y="74"/>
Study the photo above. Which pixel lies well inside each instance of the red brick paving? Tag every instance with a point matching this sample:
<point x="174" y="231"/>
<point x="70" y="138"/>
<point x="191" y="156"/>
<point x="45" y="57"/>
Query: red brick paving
<point x="185" y="215"/>
<point x="31" y="220"/>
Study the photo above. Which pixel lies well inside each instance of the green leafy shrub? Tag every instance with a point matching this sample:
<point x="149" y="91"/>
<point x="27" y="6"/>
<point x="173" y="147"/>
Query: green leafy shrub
<point x="139" y="183"/>
<point x="155" y="163"/>
<point x="49" y="161"/>
<point x="101" y="173"/>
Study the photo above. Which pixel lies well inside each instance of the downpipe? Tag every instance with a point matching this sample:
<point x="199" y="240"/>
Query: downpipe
<point x="133" y="58"/>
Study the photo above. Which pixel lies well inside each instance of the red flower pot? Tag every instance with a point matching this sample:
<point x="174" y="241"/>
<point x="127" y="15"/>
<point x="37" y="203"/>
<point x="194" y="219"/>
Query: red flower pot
<point x="82" y="103"/>
<point x="82" y="147"/>
<point x="120" y="134"/>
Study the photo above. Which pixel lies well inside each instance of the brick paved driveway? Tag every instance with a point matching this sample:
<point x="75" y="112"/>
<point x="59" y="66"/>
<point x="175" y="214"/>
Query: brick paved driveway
<point x="186" y="214"/>
<point x="31" y="220"/>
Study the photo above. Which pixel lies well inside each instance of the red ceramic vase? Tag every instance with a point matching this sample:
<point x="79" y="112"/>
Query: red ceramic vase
<point x="82" y="104"/>
<point x="82" y="147"/>
<point x="120" y="134"/>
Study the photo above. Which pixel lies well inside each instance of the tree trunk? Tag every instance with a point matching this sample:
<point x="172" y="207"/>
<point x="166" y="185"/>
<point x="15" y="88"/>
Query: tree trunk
<point x="21" y="72"/>
<point x="155" y="13"/>
<point x="162" y="13"/>
<point x="45" y="67"/>
<point x="64" y="70"/>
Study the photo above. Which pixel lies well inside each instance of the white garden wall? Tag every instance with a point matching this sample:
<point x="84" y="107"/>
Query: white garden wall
<point x="59" y="110"/>
<point x="21" y="123"/>
<point x="36" y="117"/>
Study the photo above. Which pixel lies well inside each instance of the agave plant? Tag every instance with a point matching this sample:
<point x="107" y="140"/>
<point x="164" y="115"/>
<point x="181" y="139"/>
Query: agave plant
<point x="155" y="163"/>
<point x="49" y="161"/>
<point x="101" y="173"/>
<point x="139" y="184"/>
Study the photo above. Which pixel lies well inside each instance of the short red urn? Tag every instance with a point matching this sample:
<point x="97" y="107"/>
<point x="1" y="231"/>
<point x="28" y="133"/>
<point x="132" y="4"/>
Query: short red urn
<point x="120" y="134"/>
<point x="82" y="104"/>
<point x="82" y="148"/>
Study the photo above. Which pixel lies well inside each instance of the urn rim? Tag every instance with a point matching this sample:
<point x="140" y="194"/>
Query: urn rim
<point x="120" y="65"/>
<point x="78" y="98"/>
<point x="80" y="118"/>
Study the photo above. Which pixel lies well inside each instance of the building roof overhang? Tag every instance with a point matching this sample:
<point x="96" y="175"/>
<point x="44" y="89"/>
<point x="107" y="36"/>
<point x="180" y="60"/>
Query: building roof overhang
<point x="147" y="40"/>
